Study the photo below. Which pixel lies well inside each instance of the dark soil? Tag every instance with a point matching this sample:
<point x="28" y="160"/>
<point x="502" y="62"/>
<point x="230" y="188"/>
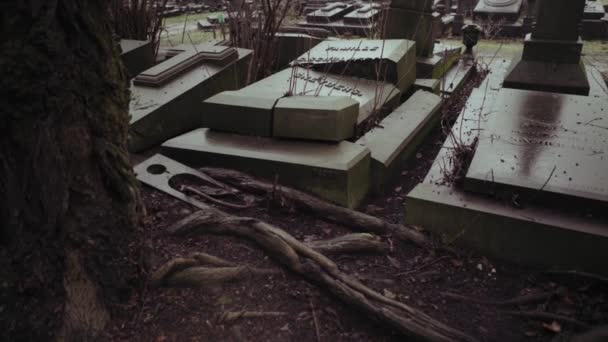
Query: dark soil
<point x="415" y="276"/>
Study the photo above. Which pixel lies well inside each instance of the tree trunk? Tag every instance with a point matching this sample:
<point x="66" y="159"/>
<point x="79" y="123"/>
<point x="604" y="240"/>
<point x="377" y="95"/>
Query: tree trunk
<point x="68" y="197"/>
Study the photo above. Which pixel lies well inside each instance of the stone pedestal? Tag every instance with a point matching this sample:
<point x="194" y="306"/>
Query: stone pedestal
<point x="412" y="19"/>
<point x="551" y="57"/>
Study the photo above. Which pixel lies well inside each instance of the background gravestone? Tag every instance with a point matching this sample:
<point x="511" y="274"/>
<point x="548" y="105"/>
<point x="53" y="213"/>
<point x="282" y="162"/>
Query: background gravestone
<point x="551" y="58"/>
<point x="412" y="19"/>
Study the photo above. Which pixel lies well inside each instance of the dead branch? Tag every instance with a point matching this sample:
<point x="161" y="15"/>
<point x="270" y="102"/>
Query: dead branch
<point x="314" y="266"/>
<point x="324" y="210"/>
<point x="521" y="300"/>
<point x="351" y="243"/>
<point x="539" y="315"/>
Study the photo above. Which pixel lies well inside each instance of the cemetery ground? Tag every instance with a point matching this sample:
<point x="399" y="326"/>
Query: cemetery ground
<point x="485" y="298"/>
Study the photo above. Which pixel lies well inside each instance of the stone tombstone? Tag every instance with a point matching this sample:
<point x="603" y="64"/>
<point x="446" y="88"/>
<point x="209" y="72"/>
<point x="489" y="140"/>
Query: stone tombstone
<point x="498" y="9"/>
<point x="365" y="15"/>
<point x="330" y="12"/>
<point x="337" y="172"/>
<point x="551" y="60"/>
<point x="166" y="99"/>
<point x="322" y="118"/>
<point x="362" y="57"/>
<point x="253" y="109"/>
<point x="412" y="19"/>
<point x="544" y="147"/>
<point x="296" y="81"/>
<point x="558" y="20"/>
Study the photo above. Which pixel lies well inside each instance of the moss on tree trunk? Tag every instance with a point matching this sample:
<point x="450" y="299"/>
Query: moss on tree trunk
<point x="67" y="193"/>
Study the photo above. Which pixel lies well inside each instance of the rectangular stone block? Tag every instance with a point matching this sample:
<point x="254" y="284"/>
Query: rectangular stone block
<point x="327" y="118"/>
<point x="330" y="12"/>
<point x="544" y="147"/>
<point x="552" y="51"/>
<point x="417" y="26"/>
<point x="398" y="136"/>
<point x="498" y="9"/>
<point x="432" y="85"/>
<point x="362" y="57"/>
<point x="295" y="81"/>
<point x="159" y="113"/>
<point x="494" y="226"/>
<point x="339" y="173"/>
<point x="365" y="15"/>
<point x="242" y="112"/>
<point x="136" y="55"/>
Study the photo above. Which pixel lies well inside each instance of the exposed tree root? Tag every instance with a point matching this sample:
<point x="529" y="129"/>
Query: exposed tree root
<point x="590" y="276"/>
<point x="324" y="210"/>
<point x="351" y="243"/>
<point x="539" y="315"/>
<point x="521" y="300"/>
<point x="190" y="272"/>
<point x="313" y="265"/>
<point x="231" y="316"/>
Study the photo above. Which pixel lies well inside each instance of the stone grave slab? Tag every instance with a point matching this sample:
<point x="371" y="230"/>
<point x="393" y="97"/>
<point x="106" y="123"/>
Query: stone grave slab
<point x="371" y="95"/>
<point x="544" y="146"/>
<point x="327" y="118"/>
<point x="495" y="227"/>
<point x="361" y="57"/>
<point x="455" y="79"/>
<point x="339" y="173"/>
<point x="367" y="14"/>
<point x="331" y="12"/>
<point x="594" y="10"/>
<point x="161" y="112"/>
<point x="497" y="9"/>
<point x="443" y="59"/>
<point x="398" y="136"/>
<point x="242" y="112"/>
<point x="136" y="55"/>
<point x="432" y="85"/>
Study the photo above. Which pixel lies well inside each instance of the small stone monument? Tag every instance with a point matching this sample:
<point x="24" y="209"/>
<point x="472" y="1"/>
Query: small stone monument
<point x="551" y="59"/>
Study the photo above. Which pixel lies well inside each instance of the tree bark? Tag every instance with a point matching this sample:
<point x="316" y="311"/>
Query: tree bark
<point x="68" y="197"/>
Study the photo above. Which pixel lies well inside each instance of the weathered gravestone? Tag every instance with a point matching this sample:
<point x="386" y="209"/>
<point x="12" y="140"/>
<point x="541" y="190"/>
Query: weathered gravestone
<point x="337" y="172"/>
<point x="331" y="12"/>
<point x="357" y="18"/>
<point x="533" y="138"/>
<point x="165" y="100"/>
<point x="233" y="116"/>
<point x="412" y="19"/>
<point x="546" y="147"/>
<point x="551" y="59"/>
<point x="594" y="27"/>
<point x="326" y="118"/>
<point x="136" y="55"/>
<point x="497" y="10"/>
<point x="391" y="60"/>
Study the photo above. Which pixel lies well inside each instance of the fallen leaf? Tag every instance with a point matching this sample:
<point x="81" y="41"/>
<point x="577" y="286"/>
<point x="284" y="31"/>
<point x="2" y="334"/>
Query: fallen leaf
<point x="457" y="263"/>
<point x="398" y="189"/>
<point x="553" y="327"/>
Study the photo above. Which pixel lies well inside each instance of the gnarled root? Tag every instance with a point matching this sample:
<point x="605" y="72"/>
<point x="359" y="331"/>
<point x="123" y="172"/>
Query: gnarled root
<point x="323" y="209"/>
<point x="314" y="266"/>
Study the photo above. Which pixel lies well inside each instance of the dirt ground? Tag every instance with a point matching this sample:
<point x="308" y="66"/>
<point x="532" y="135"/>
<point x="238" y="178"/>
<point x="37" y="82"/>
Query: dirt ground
<point x="301" y="311"/>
